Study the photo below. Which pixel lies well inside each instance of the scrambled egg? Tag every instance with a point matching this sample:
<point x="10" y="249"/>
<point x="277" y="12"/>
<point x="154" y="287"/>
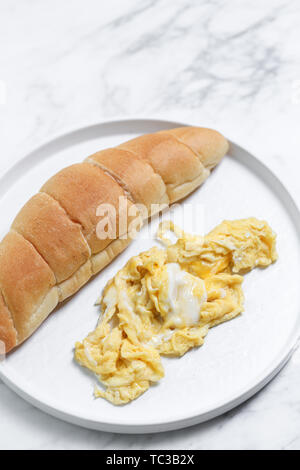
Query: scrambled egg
<point x="164" y="301"/>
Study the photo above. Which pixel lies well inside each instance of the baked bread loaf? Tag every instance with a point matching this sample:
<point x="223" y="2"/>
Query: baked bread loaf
<point x="53" y="247"/>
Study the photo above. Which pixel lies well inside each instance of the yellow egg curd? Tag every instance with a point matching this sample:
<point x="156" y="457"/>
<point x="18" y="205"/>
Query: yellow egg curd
<point x="164" y="301"/>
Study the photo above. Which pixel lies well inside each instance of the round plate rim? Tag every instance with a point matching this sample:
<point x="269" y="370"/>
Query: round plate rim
<point x="248" y="391"/>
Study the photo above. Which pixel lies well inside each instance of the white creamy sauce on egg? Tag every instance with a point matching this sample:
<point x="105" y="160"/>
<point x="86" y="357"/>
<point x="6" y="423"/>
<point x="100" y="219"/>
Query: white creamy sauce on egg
<point x="185" y="306"/>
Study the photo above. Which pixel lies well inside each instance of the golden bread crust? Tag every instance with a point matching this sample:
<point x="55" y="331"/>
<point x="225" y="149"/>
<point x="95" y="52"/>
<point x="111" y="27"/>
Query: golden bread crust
<point x="81" y="189"/>
<point x="25" y="281"/>
<point x="134" y="175"/>
<point x="45" y="224"/>
<point x="174" y="161"/>
<point x="208" y="144"/>
<point x="8" y="333"/>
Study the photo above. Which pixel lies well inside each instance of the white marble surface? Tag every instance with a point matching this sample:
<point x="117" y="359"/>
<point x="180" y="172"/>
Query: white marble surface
<point x="232" y="65"/>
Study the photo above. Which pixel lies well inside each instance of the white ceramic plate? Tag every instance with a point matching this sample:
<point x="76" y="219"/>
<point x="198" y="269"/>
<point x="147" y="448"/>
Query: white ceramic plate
<point x="238" y="358"/>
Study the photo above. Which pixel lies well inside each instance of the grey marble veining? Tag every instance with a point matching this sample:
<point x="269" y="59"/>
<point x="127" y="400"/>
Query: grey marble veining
<point x="226" y="64"/>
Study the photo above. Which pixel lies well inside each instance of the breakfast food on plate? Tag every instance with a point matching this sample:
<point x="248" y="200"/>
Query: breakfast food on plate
<point x="164" y="301"/>
<point x="54" y="247"/>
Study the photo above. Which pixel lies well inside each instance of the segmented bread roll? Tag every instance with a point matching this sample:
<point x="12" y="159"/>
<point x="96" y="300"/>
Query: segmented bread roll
<point x="54" y="247"/>
<point x="176" y="163"/>
<point x="136" y="176"/>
